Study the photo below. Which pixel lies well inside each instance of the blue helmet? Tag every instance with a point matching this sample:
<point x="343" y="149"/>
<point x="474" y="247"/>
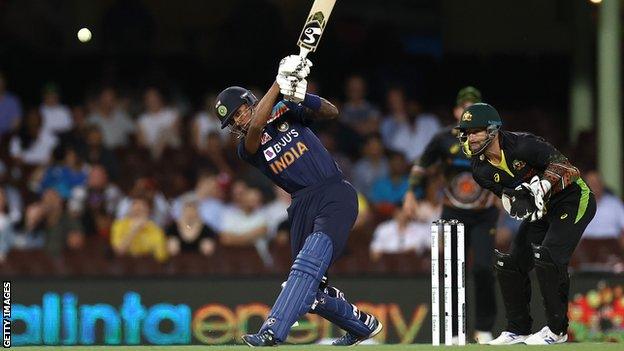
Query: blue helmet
<point x="229" y="100"/>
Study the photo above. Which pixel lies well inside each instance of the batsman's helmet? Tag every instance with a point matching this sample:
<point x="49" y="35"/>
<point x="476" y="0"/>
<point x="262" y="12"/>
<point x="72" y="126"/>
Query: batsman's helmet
<point x="478" y="116"/>
<point x="229" y="100"/>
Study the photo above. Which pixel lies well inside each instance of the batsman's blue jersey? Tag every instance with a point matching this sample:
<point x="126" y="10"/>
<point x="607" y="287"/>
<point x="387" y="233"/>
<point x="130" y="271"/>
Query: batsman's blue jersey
<point x="290" y="154"/>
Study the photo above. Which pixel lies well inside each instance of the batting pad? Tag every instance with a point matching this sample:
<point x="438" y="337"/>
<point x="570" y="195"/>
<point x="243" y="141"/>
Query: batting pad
<point x="340" y="312"/>
<point x="299" y="293"/>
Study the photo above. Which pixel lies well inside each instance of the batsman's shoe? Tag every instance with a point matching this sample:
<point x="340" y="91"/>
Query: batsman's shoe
<point x="264" y="338"/>
<point x="508" y="338"/>
<point x="483" y="337"/>
<point x="351" y="340"/>
<point x="546" y="337"/>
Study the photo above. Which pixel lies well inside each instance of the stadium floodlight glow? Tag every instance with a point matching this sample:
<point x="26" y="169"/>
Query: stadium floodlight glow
<point x="595" y="1"/>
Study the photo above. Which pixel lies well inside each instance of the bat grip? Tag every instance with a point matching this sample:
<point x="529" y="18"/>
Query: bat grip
<point x="303" y="52"/>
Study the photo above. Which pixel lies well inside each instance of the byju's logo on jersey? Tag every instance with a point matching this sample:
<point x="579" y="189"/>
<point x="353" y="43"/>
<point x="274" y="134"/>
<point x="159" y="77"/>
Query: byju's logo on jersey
<point x="265" y="138"/>
<point x="269" y="153"/>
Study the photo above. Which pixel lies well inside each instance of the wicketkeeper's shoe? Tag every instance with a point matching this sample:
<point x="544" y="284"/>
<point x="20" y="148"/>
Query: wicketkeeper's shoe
<point x="546" y="337"/>
<point x="351" y="340"/>
<point x="508" y="338"/>
<point x="264" y="338"/>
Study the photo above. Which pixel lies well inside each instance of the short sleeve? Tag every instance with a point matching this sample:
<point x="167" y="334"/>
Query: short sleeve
<point x="297" y="112"/>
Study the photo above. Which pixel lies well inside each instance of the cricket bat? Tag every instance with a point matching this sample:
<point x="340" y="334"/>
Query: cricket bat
<point x="315" y="24"/>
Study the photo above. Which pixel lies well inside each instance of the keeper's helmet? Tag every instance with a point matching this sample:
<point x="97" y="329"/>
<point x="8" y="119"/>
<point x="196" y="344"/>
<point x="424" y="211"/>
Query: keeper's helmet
<point x="478" y="116"/>
<point x="229" y="100"/>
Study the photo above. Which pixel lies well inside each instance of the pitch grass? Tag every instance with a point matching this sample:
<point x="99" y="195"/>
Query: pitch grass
<point x="419" y="347"/>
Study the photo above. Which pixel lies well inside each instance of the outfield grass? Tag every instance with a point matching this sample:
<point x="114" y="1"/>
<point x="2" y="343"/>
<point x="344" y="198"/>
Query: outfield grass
<point x="420" y="347"/>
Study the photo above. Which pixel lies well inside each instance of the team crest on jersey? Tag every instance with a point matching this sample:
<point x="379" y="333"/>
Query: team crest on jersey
<point x="265" y="138"/>
<point x="271" y="321"/>
<point x="283" y="127"/>
<point x="518" y="165"/>
<point x="269" y="153"/>
<point x="496" y="177"/>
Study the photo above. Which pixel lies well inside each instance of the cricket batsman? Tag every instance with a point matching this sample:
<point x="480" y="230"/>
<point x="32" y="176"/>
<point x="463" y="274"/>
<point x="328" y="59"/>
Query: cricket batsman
<point x="275" y="138"/>
<point x="467" y="202"/>
<point x="538" y="186"/>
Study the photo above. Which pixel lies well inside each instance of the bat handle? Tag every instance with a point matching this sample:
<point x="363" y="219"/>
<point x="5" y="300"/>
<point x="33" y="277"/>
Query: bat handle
<point x="303" y="52"/>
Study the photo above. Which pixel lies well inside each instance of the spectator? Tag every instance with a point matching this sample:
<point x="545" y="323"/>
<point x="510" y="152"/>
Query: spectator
<point x="357" y="112"/>
<point x="408" y="133"/>
<point x="48" y="219"/>
<point x="400" y="235"/>
<point x="205" y="123"/>
<point x="189" y="233"/>
<point x="57" y="118"/>
<point x="392" y="187"/>
<point x="10" y="109"/>
<point x="136" y="235"/>
<point x="7" y="235"/>
<point x="13" y="197"/>
<point x="158" y="125"/>
<point x="66" y="173"/>
<point x="95" y="203"/>
<point x="371" y="166"/>
<point x="95" y="152"/>
<point x="209" y="197"/>
<point x="32" y="145"/>
<point x="607" y="227"/>
<point x="246" y="225"/>
<point x="112" y="120"/>
<point x="147" y="188"/>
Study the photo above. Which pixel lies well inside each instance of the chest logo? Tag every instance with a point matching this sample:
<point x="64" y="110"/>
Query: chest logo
<point x="265" y="138"/>
<point x="518" y="165"/>
<point x="496" y="177"/>
<point x="269" y="153"/>
<point x="454" y="149"/>
<point x="467" y="116"/>
<point x="283" y="127"/>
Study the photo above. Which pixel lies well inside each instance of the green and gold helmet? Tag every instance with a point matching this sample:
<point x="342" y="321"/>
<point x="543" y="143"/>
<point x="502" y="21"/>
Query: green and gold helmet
<point x="478" y="116"/>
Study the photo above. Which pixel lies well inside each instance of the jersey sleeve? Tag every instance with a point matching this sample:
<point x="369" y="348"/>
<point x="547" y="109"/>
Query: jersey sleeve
<point x="540" y="154"/>
<point x="298" y="112"/>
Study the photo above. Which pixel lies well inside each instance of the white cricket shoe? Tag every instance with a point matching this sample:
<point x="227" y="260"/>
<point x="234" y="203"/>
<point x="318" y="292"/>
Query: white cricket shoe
<point x="508" y="338"/>
<point x="546" y="337"/>
<point x="483" y="337"/>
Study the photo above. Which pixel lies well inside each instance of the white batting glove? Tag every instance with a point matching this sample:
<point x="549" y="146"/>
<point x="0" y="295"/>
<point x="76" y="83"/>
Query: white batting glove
<point x="292" y="88"/>
<point x="294" y="65"/>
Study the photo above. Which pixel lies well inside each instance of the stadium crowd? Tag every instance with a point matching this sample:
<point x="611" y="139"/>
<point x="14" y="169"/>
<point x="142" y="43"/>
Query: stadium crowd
<point x="133" y="182"/>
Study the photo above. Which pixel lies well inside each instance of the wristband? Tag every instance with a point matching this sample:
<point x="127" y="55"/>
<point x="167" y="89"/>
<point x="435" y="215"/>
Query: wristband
<point x="312" y="102"/>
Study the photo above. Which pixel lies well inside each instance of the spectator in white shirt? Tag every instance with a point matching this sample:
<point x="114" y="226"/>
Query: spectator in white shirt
<point x="608" y="223"/>
<point x="405" y="131"/>
<point x="400" y="235"/>
<point x="32" y="145"/>
<point x="205" y="123"/>
<point x="247" y="225"/>
<point x="114" y="122"/>
<point x="158" y="125"/>
<point x="209" y="197"/>
<point x="57" y="118"/>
